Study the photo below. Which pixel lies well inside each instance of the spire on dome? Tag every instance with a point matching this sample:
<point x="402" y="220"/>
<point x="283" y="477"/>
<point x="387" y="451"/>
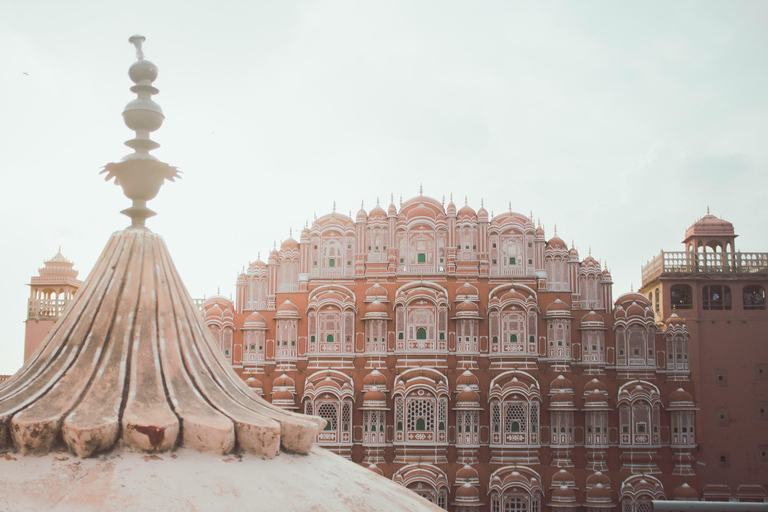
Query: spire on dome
<point x="334" y="206"/>
<point x="510" y="207"/>
<point x="421" y="189"/>
<point x="140" y="174"/>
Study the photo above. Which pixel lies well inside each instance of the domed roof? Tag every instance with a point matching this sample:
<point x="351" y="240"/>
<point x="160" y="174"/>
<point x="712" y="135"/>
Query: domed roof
<point x="595" y="400"/>
<point x="253" y="383"/>
<point x="467" y="474"/>
<point x="254" y="321"/>
<point x="467" y="307"/>
<point x="482" y="213"/>
<point x="377" y="212"/>
<point x="598" y="478"/>
<point x="282" y="393"/>
<point x="556" y="243"/>
<point x="287" y="309"/>
<point x="635" y="309"/>
<point x="392" y="210"/>
<point x="468" y="379"/>
<point x="214" y="312"/>
<point x="376" y="307"/>
<point x="680" y="399"/>
<point x="467" y="211"/>
<point x="590" y="261"/>
<point x="374" y="398"/>
<point x="674" y="320"/>
<point x="466" y="290"/>
<point x="467" y="492"/>
<point x="290" y="243"/>
<point x="573" y="253"/>
<point x="561" y="399"/>
<point x="376" y="292"/>
<point x="257" y="263"/>
<point x="560" y="383"/>
<point x="592" y="319"/>
<point x="451" y="208"/>
<point x="595" y="385"/>
<point x="563" y="494"/>
<point x="468" y="397"/>
<point x="685" y="493"/>
<point x="558" y="308"/>
<point x="599" y="494"/>
<point x="375" y="378"/>
<point x="710" y="226"/>
<point x="563" y="477"/>
<point x="361" y="215"/>
<point x="630" y="297"/>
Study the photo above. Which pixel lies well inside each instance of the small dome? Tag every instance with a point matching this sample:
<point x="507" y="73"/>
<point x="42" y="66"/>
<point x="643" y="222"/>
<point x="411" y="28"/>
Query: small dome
<point x="361" y="215"/>
<point x="560" y="383"/>
<point x="376" y="292"/>
<point x="377" y="213"/>
<point x="451" y="209"/>
<point x="674" y="320"/>
<point x="468" y="397"/>
<point x="254" y="321"/>
<point x="256" y="264"/>
<point x="214" y="312"/>
<point x="556" y="243"/>
<point x="466" y="290"/>
<point x="558" y="308"/>
<point x="392" y="210"/>
<point x="467" y="474"/>
<point x="598" y="478"/>
<point x="253" y="383"/>
<point x="287" y="309"/>
<point x="563" y="494"/>
<point x="709" y="225"/>
<point x="599" y="494"/>
<point x="375" y="378"/>
<point x="685" y="493"/>
<point x="635" y="309"/>
<point x="539" y="232"/>
<point x="595" y="385"/>
<point x="467" y="307"/>
<point x="563" y="477"/>
<point x="376" y="307"/>
<point x="421" y="210"/>
<point x="592" y="319"/>
<point x="561" y="399"/>
<point x="467" y="492"/>
<point x="290" y="243"/>
<point x="468" y="379"/>
<point x="467" y="211"/>
<point x="482" y="214"/>
<point x="574" y="254"/>
<point x="282" y="393"/>
<point x="374" y="398"/>
<point x="680" y="398"/>
<point x="595" y="400"/>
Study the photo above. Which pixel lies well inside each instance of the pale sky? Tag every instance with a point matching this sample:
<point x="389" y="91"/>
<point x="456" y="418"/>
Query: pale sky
<point x="619" y="122"/>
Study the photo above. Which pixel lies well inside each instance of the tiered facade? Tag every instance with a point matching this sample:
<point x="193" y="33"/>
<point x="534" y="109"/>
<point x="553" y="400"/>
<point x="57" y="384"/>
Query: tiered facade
<point x="470" y="359"/>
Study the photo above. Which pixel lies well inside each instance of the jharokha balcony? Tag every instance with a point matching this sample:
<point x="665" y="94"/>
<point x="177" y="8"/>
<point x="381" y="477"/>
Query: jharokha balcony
<point x="680" y="262"/>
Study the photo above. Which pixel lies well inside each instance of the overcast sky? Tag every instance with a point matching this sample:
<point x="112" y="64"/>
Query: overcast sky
<point x="619" y="122"/>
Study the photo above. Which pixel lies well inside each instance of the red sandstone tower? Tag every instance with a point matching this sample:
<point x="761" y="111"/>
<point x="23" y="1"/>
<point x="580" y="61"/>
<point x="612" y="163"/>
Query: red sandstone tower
<point x="720" y="293"/>
<point x="50" y="293"/>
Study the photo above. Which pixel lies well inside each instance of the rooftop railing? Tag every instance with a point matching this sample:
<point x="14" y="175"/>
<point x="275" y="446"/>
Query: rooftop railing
<point x="704" y="263"/>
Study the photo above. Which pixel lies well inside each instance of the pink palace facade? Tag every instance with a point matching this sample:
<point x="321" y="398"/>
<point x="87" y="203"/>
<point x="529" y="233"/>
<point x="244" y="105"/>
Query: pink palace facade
<point x="470" y="359"/>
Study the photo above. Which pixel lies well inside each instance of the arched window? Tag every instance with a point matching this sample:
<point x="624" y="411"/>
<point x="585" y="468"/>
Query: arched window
<point x="753" y="297"/>
<point x="716" y="297"/>
<point x="421" y="334"/>
<point x="422" y="258"/>
<point x="681" y="296"/>
<point x="329" y="338"/>
<point x="332" y="262"/>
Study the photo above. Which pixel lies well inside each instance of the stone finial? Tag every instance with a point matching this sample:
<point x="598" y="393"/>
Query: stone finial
<point x="140" y="174"/>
